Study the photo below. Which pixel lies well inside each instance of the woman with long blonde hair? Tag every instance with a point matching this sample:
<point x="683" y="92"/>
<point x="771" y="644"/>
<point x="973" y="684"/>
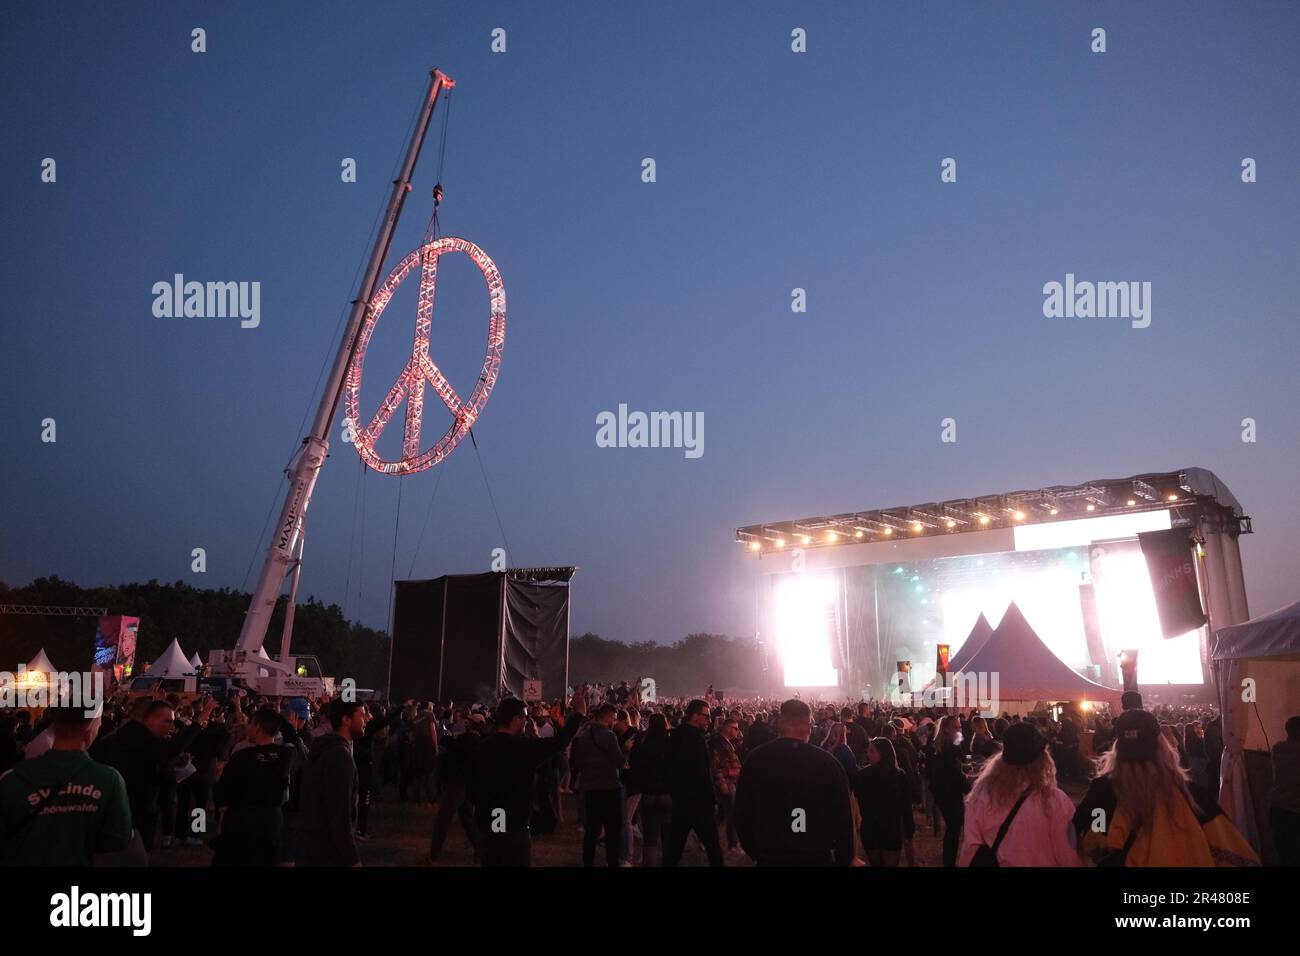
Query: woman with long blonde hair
<point x="1017" y="810"/>
<point x="1142" y="811"/>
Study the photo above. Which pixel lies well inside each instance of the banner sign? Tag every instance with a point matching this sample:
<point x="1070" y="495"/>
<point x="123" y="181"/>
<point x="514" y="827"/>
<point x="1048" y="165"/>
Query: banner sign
<point x="1173" y="580"/>
<point x="115" y="639"/>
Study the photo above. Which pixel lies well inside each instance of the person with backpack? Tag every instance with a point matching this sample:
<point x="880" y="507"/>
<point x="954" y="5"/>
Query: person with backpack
<point x="1016" y="815"/>
<point x="1141" y="811"/>
<point x="251" y="793"/>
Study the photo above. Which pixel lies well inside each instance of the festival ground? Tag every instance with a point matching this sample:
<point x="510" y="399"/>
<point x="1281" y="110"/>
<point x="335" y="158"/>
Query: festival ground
<point x="399" y="836"/>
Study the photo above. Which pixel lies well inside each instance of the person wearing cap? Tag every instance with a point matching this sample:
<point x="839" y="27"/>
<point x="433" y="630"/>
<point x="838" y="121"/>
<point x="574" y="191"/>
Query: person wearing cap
<point x="1019" y="784"/>
<point x="1141" y="810"/>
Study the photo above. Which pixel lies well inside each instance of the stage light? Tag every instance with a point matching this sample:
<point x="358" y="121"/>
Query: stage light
<point x="1092" y="507"/>
<point x="1126" y="610"/>
<point x="1020" y="516"/>
<point x="888" y="532"/>
<point x="951" y="523"/>
<point x="1054" y="511"/>
<point x="805" y="611"/>
<point x="1173" y="497"/>
<point x="858" y="535"/>
<point x="780" y="543"/>
<point x="832" y="537"/>
<point x="1131" y="502"/>
<point x="984" y="519"/>
<point x="754" y="546"/>
<point x="916" y="526"/>
<point x="805" y="539"/>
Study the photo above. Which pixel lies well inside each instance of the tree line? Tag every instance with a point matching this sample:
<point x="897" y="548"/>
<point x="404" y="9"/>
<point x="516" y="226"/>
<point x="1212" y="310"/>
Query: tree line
<point x="205" y="619"/>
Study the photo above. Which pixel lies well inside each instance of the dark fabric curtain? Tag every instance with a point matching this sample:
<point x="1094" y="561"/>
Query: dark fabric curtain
<point x="417" y="640"/>
<point x="471" y="644"/>
<point x="458" y="653"/>
<point x="536" y="637"/>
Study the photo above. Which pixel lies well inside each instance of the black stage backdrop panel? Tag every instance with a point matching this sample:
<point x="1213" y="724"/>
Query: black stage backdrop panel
<point x="417" y="640"/>
<point x="471" y="641"/>
<point x="536" y="637"/>
<point x="471" y="637"/>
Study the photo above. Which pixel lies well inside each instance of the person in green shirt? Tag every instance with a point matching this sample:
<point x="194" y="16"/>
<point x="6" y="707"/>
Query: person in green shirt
<point x="61" y="808"/>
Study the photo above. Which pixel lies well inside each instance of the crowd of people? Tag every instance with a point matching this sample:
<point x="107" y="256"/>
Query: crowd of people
<point x="791" y="782"/>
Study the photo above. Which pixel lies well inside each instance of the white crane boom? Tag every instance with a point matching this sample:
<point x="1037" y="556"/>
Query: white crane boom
<point x="306" y="464"/>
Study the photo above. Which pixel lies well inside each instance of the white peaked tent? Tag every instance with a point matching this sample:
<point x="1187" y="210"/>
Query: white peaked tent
<point x="262" y="655"/>
<point x="172" y="663"/>
<point x="974" y="643"/>
<point x="195" y="661"/>
<point x="1256" y="667"/>
<point x="1027" y="670"/>
<point x="40" y="663"/>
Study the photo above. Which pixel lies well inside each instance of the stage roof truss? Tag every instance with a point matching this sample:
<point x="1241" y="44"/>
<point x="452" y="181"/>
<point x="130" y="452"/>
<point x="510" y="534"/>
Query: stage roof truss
<point x="1191" y="495"/>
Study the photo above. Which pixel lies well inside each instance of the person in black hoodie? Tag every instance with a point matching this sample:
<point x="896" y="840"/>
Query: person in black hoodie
<point x="328" y="804"/>
<point x="142" y="750"/>
<point x="504" y="775"/>
<point x="252" y="790"/>
<point x="690" y="783"/>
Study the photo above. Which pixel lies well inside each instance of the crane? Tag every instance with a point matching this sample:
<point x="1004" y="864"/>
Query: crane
<point x="247" y="662"/>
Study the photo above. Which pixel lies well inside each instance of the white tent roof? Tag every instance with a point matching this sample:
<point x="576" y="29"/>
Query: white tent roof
<point x="172" y="663"/>
<point x="41" y="663"/>
<point x="195" y="661"/>
<point x="1272" y="635"/>
<point x="1027" y="669"/>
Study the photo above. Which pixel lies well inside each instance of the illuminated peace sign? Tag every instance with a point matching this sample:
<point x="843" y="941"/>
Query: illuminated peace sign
<point x="420" y="369"/>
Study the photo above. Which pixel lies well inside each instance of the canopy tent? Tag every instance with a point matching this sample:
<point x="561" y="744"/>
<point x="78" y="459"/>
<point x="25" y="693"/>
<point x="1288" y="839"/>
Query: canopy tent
<point x="41" y="663"/>
<point x="1256" y="667"/>
<point x="974" y="643"/>
<point x="195" y="661"/>
<point x="1027" y="670"/>
<point x="975" y="640"/>
<point x="172" y="663"/>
